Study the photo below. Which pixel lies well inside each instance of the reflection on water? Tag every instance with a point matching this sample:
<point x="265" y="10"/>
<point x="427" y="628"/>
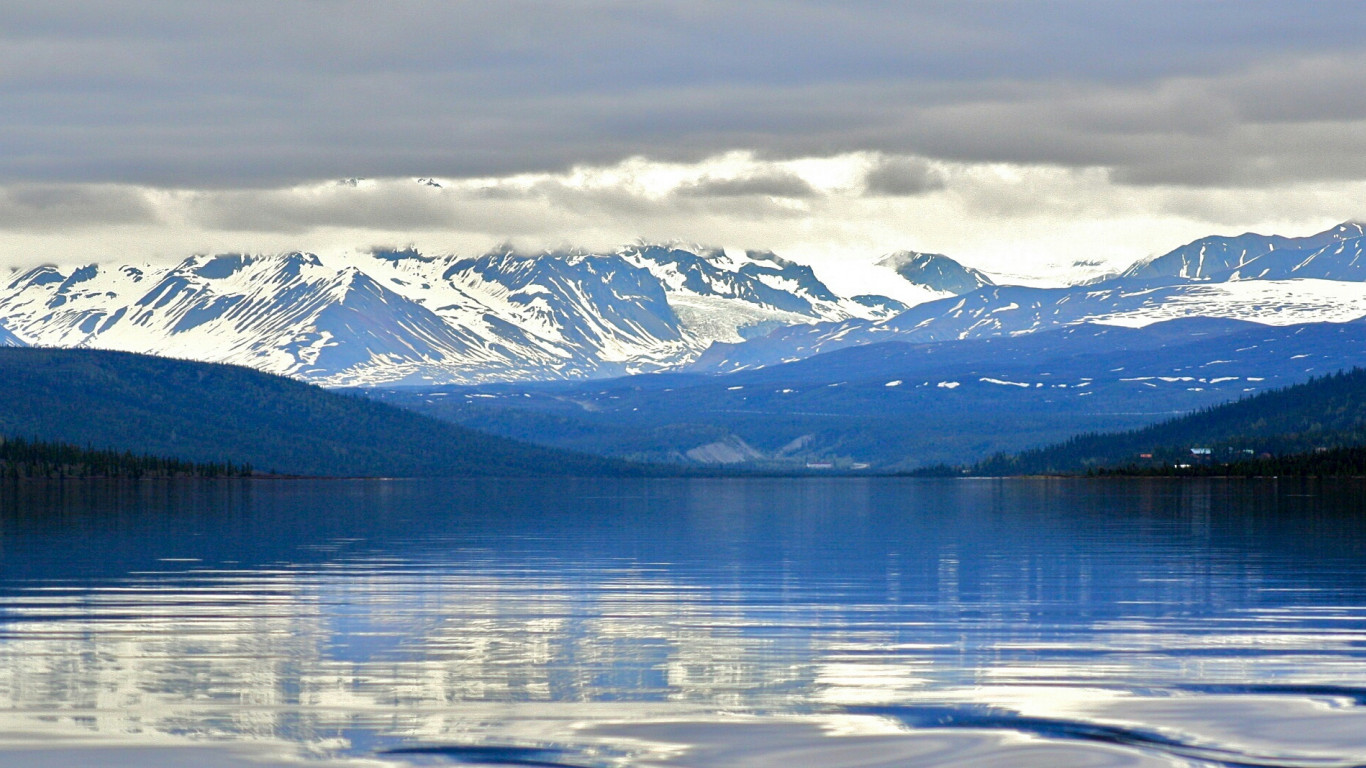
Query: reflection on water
<point x="719" y="622"/>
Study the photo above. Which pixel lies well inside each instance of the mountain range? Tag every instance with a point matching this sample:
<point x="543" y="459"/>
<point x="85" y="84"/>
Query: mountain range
<point x="937" y="270"/>
<point x="400" y="316"/>
<point x="810" y="375"/>
<point x="1267" y="279"/>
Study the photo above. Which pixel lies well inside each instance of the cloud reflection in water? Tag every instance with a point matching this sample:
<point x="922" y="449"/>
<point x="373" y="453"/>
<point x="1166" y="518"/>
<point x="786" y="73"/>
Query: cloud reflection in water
<point x="688" y="622"/>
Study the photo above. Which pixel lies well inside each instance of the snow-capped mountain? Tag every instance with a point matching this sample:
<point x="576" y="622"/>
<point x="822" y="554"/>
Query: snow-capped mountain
<point x="394" y="316"/>
<point x="721" y="298"/>
<point x="935" y="272"/>
<point x="8" y="339"/>
<point x="1335" y="254"/>
<point x="1266" y="279"/>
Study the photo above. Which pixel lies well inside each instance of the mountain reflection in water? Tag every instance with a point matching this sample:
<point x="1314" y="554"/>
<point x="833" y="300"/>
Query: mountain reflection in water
<point x="834" y="622"/>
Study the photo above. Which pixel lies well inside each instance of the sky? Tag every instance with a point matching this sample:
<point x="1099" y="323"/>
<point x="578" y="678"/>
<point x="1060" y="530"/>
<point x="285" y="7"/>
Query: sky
<point x="1034" y="140"/>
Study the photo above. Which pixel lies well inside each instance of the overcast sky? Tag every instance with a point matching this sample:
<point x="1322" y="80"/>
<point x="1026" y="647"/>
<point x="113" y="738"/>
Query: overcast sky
<point x="1018" y="137"/>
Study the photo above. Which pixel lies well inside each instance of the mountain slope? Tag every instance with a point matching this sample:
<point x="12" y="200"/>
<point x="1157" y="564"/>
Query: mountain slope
<point x="936" y="272"/>
<point x="400" y="316"/>
<point x="8" y="339"/>
<point x="227" y="414"/>
<point x="1331" y="255"/>
<point x="1268" y="279"/>
<point x="1326" y="412"/>
<point x="902" y="405"/>
<point x="1002" y="311"/>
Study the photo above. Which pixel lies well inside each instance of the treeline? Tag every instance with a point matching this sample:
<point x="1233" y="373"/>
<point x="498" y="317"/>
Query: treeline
<point x="25" y="458"/>
<point x="1319" y="417"/>
<point x="1332" y="462"/>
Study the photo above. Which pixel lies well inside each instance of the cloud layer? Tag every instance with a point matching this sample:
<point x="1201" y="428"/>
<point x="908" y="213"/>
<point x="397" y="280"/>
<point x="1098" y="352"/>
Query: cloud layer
<point x="1015" y="136"/>
<point x="1023" y="222"/>
<point x="201" y="93"/>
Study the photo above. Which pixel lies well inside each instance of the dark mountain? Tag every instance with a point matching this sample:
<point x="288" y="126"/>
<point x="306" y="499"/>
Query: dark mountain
<point x="903" y="405"/>
<point x="1321" y="415"/>
<point x="222" y="414"/>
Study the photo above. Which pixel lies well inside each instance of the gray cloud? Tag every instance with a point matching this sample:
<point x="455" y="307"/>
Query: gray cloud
<point x="902" y="177"/>
<point x="204" y="94"/>
<point x="291" y="212"/>
<point x="775" y="183"/>
<point x="50" y="207"/>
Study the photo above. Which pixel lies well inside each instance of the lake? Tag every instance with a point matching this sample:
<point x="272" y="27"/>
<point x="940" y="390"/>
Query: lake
<point x="736" y="622"/>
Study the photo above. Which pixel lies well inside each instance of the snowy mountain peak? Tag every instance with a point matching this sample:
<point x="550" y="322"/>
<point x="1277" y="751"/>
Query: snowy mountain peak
<point x="394" y="315"/>
<point x="40" y="275"/>
<point x="8" y="339"/>
<point x="936" y="272"/>
<point x="399" y="254"/>
<point x="1352" y="228"/>
<point x="219" y="266"/>
<point x="1334" y="254"/>
<point x="768" y="256"/>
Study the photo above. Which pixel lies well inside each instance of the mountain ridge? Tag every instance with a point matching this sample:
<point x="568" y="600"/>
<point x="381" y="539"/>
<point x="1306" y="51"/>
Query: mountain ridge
<point x="1257" y="256"/>
<point x="1322" y="414"/>
<point x="1322" y="283"/>
<point x="897" y="404"/>
<point x="397" y="316"/>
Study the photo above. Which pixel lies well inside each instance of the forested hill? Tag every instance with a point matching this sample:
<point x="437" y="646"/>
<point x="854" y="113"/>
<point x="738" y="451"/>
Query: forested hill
<point x="223" y="414"/>
<point x="1327" y="412"/>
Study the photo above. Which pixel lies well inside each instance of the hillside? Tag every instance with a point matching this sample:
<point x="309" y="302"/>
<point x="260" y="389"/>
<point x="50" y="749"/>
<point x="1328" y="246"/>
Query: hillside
<point x="899" y="406"/>
<point x="1324" y="413"/>
<point x="222" y="414"/>
<point x="1322" y="462"/>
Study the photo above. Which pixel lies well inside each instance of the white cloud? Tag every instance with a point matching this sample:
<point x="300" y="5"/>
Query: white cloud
<point x="1026" y="222"/>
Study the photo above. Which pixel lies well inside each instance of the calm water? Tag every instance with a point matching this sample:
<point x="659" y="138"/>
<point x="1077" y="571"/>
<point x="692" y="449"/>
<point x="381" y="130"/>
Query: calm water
<point x="683" y="623"/>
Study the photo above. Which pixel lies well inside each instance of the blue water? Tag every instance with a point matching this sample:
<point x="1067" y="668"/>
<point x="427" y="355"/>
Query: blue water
<point x="835" y="622"/>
